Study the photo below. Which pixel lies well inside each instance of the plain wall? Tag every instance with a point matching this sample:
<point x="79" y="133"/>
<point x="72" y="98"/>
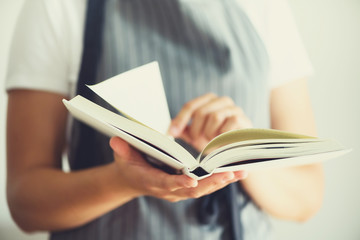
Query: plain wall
<point x="8" y="12"/>
<point x="331" y="32"/>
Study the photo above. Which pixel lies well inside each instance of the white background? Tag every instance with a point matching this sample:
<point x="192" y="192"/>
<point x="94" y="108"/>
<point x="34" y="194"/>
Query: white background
<point x="331" y="33"/>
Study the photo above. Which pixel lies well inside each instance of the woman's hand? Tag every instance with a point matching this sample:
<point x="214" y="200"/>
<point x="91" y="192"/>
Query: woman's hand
<point x="205" y="117"/>
<point x="144" y="180"/>
<point x="199" y="121"/>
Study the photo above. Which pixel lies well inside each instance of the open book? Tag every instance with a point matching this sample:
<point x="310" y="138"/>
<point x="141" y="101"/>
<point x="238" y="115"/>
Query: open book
<point x="246" y="149"/>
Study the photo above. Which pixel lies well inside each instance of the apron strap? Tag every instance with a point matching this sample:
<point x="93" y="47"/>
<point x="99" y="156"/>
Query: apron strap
<point x="92" y="45"/>
<point x="209" y="208"/>
<point x="83" y="150"/>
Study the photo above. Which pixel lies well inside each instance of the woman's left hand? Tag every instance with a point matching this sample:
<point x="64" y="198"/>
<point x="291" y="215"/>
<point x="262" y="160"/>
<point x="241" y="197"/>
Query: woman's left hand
<point x="205" y="117"/>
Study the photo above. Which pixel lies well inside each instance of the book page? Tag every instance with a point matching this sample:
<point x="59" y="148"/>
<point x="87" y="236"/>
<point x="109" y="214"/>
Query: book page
<point x="138" y="94"/>
<point x="283" y="162"/>
<point x="141" y="137"/>
<point x="248" y="134"/>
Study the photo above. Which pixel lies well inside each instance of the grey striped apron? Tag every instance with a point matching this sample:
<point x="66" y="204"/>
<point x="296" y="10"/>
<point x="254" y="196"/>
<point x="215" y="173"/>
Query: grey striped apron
<point x="202" y="46"/>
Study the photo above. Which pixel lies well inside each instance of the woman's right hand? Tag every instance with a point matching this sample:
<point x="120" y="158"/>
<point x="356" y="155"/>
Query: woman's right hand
<point x="145" y="180"/>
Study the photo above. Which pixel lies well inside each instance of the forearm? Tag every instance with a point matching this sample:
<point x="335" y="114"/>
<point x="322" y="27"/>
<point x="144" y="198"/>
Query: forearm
<point x="49" y="199"/>
<point x="291" y="193"/>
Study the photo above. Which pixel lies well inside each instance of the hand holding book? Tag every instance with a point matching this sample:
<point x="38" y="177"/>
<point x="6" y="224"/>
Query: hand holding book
<point x="244" y="149"/>
<point x="200" y="112"/>
<point x="143" y="179"/>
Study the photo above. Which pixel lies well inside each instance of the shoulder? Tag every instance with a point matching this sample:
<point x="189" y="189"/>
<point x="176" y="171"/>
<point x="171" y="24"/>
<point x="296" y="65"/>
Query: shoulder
<point x="63" y="19"/>
<point x="275" y="24"/>
<point x="268" y="16"/>
<point x="47" y="45"/>
<point x="57" y="13"/>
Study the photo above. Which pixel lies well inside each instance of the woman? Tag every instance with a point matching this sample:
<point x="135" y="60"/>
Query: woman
<point x="247" y="53"/>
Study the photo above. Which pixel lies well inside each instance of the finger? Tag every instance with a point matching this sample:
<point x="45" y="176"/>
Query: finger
<point x="185" y="135"/>
<point x="216" y="119"/>
<point x="120" y="147"/>
<point x="123" y="151"/>
<point x="215" y="180"/>
<point x="201" y="115"/>
<point x="179" y="123"/>
<point x="164" y="185"/>
<point x="221" y="180"/>
<point x="241" y="174"/>
<point x="231" y="123"/>
<point x="167" y="182"/>
<point x="235" y="122"/>
<point x="207" y="185"/>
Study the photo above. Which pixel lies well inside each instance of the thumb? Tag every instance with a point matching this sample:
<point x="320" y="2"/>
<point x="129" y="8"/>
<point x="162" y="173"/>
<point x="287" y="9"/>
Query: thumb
<point x="120" y="147"/>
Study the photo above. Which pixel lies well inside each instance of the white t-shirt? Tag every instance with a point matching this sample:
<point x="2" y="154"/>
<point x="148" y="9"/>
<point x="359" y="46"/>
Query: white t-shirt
<point x="48" y="42"/>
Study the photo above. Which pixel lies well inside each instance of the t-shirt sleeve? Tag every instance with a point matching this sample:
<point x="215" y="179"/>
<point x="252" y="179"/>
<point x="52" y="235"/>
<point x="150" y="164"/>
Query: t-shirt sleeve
<point x="288" y="57"/>
<point x="40" y="55"/>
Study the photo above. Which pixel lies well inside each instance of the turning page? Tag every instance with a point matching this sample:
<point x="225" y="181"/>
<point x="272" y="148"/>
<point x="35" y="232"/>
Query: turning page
<point x="138" y="94"/>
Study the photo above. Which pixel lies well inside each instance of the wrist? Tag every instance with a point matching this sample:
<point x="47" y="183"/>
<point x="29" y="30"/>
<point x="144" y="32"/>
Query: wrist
<point x="119" y="185"/>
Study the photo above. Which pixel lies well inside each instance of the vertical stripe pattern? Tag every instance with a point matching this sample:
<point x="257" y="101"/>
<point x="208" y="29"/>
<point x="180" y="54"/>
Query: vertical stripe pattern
<point x="202" y="46"/>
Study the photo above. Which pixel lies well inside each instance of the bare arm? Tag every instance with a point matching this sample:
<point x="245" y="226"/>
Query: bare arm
<point x="40" y="195"/>
<point x="291" y="193"/>
<point x="43" y="197"/>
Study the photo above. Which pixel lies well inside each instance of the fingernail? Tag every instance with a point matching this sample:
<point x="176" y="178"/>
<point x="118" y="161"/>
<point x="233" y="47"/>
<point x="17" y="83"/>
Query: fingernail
<point x="241" y="174"/>
<point x="174" y="131"/>
<point x="191" y="184"/>
<point x="229" y="177"/>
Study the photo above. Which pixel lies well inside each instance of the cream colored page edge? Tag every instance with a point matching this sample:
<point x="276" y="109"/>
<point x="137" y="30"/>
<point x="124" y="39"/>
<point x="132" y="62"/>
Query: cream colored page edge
<point x="249" y="134"/>
<point x="95" y="116"/>
<point x="139" y="95"/>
